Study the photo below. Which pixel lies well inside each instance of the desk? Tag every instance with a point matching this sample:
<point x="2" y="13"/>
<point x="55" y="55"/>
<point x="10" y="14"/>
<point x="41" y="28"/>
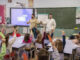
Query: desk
<point x="18" y="45"/>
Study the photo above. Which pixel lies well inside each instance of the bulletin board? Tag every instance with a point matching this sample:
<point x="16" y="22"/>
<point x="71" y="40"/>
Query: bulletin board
<point x="42" y="17"/>
<point x="2" y="14"/>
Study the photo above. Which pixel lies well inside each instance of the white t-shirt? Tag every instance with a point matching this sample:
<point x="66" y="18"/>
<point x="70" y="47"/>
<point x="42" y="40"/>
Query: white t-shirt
<point x="69" y="46"/>
<point x="51" y="24"/>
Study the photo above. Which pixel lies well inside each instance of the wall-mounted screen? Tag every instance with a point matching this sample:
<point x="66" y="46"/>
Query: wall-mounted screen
<point x="20" y="16"/>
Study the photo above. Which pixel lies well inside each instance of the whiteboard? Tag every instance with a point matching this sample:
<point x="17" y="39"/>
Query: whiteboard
<point x="24" y="30"/>
<point x="42" y="17"/>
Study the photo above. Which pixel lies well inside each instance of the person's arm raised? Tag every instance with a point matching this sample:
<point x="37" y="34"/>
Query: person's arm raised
<point x="2" y="35"/>
<point x="28" y="22"/>
<point x="50" y="39"/>
<point x="63" y="38"/>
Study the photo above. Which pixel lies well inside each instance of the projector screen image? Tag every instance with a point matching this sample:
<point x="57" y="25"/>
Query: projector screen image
<point x="21" y="16"/>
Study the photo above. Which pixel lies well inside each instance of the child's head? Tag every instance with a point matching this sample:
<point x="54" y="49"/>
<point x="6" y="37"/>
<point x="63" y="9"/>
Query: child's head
<point x="72" y="37"/>
<point x="77" y="37"/>
<point x="43" y="54"/>
<point x="14" y="28"/>
<point x="39" y="38"/>
<point x="59" y="45"/>
<point x="26" y="37"/>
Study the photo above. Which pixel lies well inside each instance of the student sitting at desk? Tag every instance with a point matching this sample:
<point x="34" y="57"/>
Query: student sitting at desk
<point x="39" y="41"/>
<point x="69" y="44"/>
<point x="3" y="48"/>
<point x="15" y="32"/>
<point x="27" y="39"/>
<point x="55" y="47"/>
<point x="9" y="45"/>
<point x="42" y="55"/>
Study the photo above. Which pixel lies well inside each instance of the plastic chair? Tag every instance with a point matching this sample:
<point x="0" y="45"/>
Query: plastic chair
<point x="25" y="57"/>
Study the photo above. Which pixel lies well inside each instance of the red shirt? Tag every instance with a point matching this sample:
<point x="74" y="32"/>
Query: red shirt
<point x="17" y="34"/>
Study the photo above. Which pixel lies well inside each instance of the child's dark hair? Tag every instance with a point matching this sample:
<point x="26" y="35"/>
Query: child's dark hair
<point x="39" y="38"/>
<point x="15" y="27"/>
<point x="26" y="37"/>
<point x="43" y="54"/>
<point x="78" y="38"/>
<point x="59" y="45"/>
<point x="72" y="37"/>
<point x="7" y="39"/>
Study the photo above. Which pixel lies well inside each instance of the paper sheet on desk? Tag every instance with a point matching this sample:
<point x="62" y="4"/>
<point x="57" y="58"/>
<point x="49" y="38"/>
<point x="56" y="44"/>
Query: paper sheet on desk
<point x="18" y="45"/>
<point x="46" y="41"/>
<point x="49" y="44"/>
<point x="19" y="42"/>
<point x="38" y="45"/>
<point x="19" y="39"/>
<point x="50" y="49"/>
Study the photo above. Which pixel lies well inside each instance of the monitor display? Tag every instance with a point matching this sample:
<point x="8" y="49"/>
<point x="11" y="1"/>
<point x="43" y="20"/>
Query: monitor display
<point x="21" y="16"/>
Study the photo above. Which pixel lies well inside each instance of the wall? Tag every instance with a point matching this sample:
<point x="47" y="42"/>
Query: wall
<point x="13" y="4"/>
<point x="56" y="3"/>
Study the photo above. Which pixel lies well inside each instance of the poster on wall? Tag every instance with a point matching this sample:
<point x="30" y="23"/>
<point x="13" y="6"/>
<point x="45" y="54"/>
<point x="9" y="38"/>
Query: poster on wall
<point x="2" y="14"/>
<point x="42" y="17"/>
<point x="78" y="15"/>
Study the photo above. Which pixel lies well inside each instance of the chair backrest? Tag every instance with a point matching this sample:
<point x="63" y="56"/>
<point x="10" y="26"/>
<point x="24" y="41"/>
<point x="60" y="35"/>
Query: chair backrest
<point x="25" y="57"/>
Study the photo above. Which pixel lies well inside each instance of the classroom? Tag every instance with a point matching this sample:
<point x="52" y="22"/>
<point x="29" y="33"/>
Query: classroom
<point x="39" y="29"/>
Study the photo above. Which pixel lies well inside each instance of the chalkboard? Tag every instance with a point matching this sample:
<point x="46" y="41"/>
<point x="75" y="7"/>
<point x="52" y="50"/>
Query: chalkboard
<point x="65" y="17"/>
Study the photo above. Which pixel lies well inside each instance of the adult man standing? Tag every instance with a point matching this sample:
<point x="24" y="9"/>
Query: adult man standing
<point x="33" y="25"/>
<point x="50" y="25"/>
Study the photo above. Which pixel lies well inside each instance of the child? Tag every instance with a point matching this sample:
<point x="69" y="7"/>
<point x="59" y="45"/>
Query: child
<point x="43" y="55"/>
<point x="39" y="41"/>
<point x="70" y="44"/>
<point x="3" y="29"/>
<point x="3" y="48"/>
<point x="27" y="39"/>
<point x="15" y="33"/>
<point x="39" y="38"/>
<point x="9" y="44"/>
<point x="55" y="46"/>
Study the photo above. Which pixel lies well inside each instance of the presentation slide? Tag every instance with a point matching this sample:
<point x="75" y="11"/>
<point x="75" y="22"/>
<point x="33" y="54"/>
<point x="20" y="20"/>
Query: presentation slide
<point x="21" y="16"/>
